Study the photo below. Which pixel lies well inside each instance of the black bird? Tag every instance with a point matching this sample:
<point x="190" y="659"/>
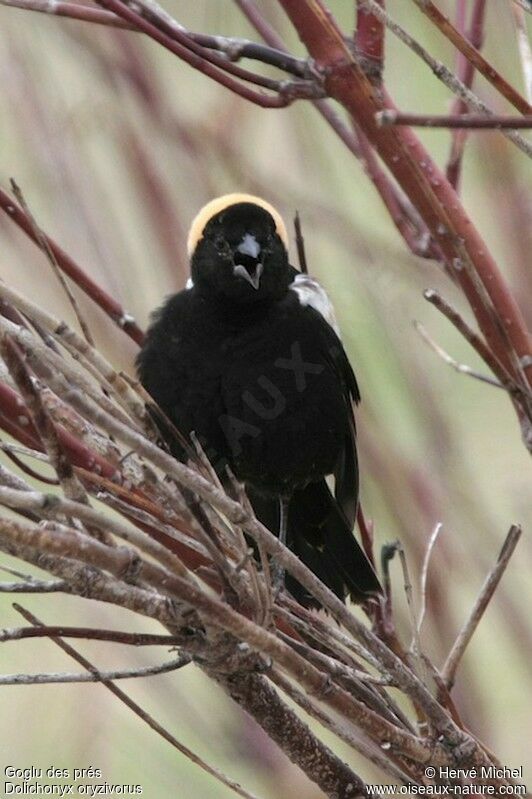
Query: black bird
<point x="246" y="358"/>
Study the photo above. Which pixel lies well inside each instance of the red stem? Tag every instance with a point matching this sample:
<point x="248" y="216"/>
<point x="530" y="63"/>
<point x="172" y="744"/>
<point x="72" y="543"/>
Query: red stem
<point x="474" y="56"/>
<point x="109" y="305"/>
<point x="466" y="73"/>
<point x="195" y="60"/>
<point x="369" y="37"/>
<point x="16" y="420"/>
<point x="397" y="205"/>
<point x="438" y="204"/>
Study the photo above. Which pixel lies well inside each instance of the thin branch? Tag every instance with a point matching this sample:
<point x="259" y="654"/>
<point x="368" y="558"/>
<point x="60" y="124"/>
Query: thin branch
<point x="108" y="304"/>
<point x="90" y="582"/>
<point x="369" y="40"/>
<point x="408" y="222"/>
<point x="448" y="673"/>
<point x="477" y="343"/>
<point x="470" y="121"/>
<point x="7" y="448"/>
<point x="52" y="506"/>
<point x="27" y="577"/>
<point x="300" y="244"/>
<point x="93" y="676"/>
<point x="459" y="367"/>
<point x="424" y="573"/>
<point x="47" y="250"/>
<point x="42" y="420"/>
<point x="35" y="587"/>
<point x="473" y="55"/>
<point x="416" y="648"/>
<point x="141" y="713"/>
<point x="445" y="75"/>
<point x="70" y="10"/>
<point x="525" y="51"/>
<point x="68" y="543"/>
<point x="524" y="4"/>
<point x="286" y="91"/>
<point x="150" y="11"/>
<point x="233" y="48"/>
<point x="366" y="534"/>
<point x="466" y="73"/>
<point x="89" y="634"/>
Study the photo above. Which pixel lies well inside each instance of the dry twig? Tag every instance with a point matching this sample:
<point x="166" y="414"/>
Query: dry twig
<point x="448" y="672"/>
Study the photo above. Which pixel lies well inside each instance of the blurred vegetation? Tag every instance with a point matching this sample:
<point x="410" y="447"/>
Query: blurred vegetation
<point x="116" y="144"/>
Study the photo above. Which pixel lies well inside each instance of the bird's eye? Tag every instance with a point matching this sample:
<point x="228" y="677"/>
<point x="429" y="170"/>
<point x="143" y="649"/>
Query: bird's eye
<point x="219" y="243"/>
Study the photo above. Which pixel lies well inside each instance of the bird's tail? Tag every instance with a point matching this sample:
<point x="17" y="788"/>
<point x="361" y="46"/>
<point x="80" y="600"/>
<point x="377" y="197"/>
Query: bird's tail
<point x="319" y="534"/>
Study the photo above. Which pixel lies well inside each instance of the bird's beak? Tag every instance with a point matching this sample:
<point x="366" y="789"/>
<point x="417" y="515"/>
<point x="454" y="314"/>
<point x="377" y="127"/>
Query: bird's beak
<point x="252" y="277"/>
<point x="249" y="248"/>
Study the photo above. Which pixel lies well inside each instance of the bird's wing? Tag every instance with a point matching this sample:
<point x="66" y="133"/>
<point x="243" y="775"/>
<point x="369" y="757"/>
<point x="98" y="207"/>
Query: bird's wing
<point x="346" y="472"/>
<point x="160" y="358"/>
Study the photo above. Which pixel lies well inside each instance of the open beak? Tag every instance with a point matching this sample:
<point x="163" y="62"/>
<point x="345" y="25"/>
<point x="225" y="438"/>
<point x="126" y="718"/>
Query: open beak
<point x="249" y="266"/>
<point x="251" y="274"/>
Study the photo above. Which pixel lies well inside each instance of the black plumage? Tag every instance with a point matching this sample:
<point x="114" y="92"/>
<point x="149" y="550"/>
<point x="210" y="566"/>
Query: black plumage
<point x="242" y="358"/>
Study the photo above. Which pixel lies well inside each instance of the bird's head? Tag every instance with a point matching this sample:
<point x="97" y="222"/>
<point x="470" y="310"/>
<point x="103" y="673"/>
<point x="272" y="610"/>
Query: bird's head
<point x="238" y="249"/>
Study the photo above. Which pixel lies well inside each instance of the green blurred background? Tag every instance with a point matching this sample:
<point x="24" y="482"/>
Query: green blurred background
<point x="116" y="144"/>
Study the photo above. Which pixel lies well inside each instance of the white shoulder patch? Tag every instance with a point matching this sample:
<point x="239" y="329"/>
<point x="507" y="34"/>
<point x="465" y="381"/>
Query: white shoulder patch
<point x="311" y="293"/>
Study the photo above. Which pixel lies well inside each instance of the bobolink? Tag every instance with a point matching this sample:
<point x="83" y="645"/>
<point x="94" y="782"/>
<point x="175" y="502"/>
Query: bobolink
<point x="247" y="357"/>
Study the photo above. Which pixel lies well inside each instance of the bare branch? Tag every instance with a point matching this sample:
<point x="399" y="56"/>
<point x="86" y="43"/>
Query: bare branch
<point x="141" y="713"/>
<point x="70" y="10"/>
<point x="470" y="121"/>
<point x="466" y="72"/>
<point x="369" y="40"/>
<point x="448" y="673"/>
<point x="424" y="573"/>
<point x="473" y="55"/>
<point x="220" y="70"/>
<point x="444" y="74"/>
<point x="525" y="51"/>
<point x="47" y="250"/>
<point x="112" y="308"/>
<point x="93" y="676"/>
<point x="234" y="49"/>
<point x="89" y="634"/>
<point x="477" y="343"/>
<point x="409" y="224"/>
<point x="459" y="367"/>
<point x="300" y="243"/>
<point x="35" y="587"/>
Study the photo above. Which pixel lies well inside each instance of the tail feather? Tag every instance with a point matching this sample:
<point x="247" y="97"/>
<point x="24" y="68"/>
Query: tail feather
<point x="319" y="534"/>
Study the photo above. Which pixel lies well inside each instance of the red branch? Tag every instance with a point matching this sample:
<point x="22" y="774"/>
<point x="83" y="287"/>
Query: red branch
<point x="407" y="222"/>
<point x="16" y="420"/>
<point x="474" y="56"/>
<point x="198" y="60"/>
<point x="466" y="73"/>
<point x="369" y="37"/>
<point x="466" y="255"/>
<point x="110" y="306"/>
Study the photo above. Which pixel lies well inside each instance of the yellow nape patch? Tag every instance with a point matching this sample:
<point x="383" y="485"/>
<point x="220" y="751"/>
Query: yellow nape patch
<point x="220" y="204"/>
